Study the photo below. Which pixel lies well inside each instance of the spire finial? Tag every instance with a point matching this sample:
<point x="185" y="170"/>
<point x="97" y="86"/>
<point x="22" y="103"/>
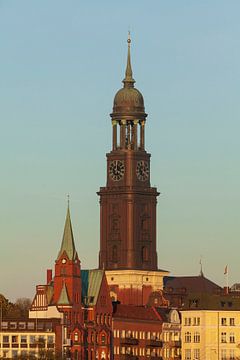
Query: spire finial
<point x="68" y="200"/>
<point x="128" y="80"/>
<point x="201" y="267"/>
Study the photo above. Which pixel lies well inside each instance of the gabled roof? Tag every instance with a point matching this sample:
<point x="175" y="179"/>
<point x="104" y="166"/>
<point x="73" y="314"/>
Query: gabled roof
<point x="68" y="245"/>
<point x="63" y="298"/>
<point x="190" y="284"/>
<point x="91" y="284"/>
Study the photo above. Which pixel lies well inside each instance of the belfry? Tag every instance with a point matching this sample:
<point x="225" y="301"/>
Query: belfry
<point x="128" y="202"/>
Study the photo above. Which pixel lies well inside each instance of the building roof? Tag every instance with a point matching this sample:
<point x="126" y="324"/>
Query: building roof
<point x="204" y="301"/>
<point x="63" y="298"/>
<point x="164" y="313"/>
<point x="133" y="312"/>
<point x="68" y="245"/>
<point x="188" y="284"/>
<point x="91" y="284"/>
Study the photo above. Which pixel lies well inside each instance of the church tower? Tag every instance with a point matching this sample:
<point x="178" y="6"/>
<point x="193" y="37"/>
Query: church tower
<point x="67" y="280"/>
<point x="128" y="202"/>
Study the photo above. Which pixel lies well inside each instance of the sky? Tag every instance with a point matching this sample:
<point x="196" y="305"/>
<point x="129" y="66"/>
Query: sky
<point x="61" y="63"/>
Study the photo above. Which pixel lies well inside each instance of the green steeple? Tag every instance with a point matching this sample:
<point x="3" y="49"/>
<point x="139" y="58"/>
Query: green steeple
<point x="63" y="298"/>
<point x="68" y="245"/>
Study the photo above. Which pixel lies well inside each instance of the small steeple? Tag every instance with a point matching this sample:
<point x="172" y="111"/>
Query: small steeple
<point x="68" y="241"/>
<point x="128" y="80"/>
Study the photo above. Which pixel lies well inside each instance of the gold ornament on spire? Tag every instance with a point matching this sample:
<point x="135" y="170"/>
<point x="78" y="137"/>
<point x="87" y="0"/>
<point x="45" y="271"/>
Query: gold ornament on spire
<point x="128" y="80"/>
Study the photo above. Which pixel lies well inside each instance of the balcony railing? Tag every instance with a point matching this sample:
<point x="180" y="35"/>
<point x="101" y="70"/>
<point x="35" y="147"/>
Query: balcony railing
<point x="128" y="357"/>
<point x="174" y="343"/>
<point x="129" y="341"/>
<point x="154" y="343"/>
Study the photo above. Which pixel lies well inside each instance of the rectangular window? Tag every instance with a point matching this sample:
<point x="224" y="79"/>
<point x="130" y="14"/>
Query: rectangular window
<point x="224" y="321"/>
<point x="223" y="354"/>
<point x="40" y="325"/>
<point x="187" y="337"/>
<point x="196" y="354"/>
<point x="13" y="325"/>
<point x="4" y="325"/>
<point x="5" y="339"/>
<point x="14" y="339"/>
<point x="196" y="321"/>
<point x="232" y="322"/>
<point x="32" y="339"/>
<point x="14" y="353"/>
<point x="232" y="338"/>
<point x="22" y="325"/>
<point x="23" y="339"/>
<point x="30" y="325"/>
<point x="187" y="321"/>
<point x="223" y="337"/>
<point x="50" y="339"/>
<point x="231" y="354"/>
<point x="188" y="354"/>
<point x="196" y="337"/>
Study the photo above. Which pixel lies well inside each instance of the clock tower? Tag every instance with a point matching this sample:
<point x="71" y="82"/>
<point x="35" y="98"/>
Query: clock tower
<point x="128" y="202"/>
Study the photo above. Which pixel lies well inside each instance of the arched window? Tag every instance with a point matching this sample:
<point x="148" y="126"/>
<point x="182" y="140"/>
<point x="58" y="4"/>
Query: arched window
<point x="145" y="255"/>
<point x="114" y="254"/>
<point x="187" y="337"/>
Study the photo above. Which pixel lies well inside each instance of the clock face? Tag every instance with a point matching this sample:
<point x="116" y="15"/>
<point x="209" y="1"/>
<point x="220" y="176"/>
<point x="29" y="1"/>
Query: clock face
<point x="64" y="261"/>
<point x="142" y="170"/>
<point x="116" y="170"/>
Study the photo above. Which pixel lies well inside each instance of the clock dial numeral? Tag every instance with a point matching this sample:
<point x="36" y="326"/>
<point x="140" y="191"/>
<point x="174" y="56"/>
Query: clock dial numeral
<point x="142" y="170"/>
<point x="116" y="170"/>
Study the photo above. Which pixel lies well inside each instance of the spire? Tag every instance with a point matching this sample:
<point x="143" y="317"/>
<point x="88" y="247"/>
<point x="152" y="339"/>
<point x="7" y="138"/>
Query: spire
<point x="201" y="268"/>
<point x="68" y="241"/>
<point x="128" y="80"/>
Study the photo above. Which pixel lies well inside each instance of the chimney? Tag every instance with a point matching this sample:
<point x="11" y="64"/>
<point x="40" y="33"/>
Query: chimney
<point x="49" y="275"/>
<point x="226" y="290"/>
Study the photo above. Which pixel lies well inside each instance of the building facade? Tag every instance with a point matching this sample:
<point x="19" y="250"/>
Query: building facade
<point x="211" y="327"/>
<point x="137" y="333"/>
<point x="171" y="334"/>
<point x="30" y="337"/>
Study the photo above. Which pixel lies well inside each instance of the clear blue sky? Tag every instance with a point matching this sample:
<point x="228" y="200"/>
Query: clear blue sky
<point x="61" y="63"/>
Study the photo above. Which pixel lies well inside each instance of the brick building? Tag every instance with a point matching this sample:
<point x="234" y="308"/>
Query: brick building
<point x="137" y="332"/>
<point x="80" y="300"/>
